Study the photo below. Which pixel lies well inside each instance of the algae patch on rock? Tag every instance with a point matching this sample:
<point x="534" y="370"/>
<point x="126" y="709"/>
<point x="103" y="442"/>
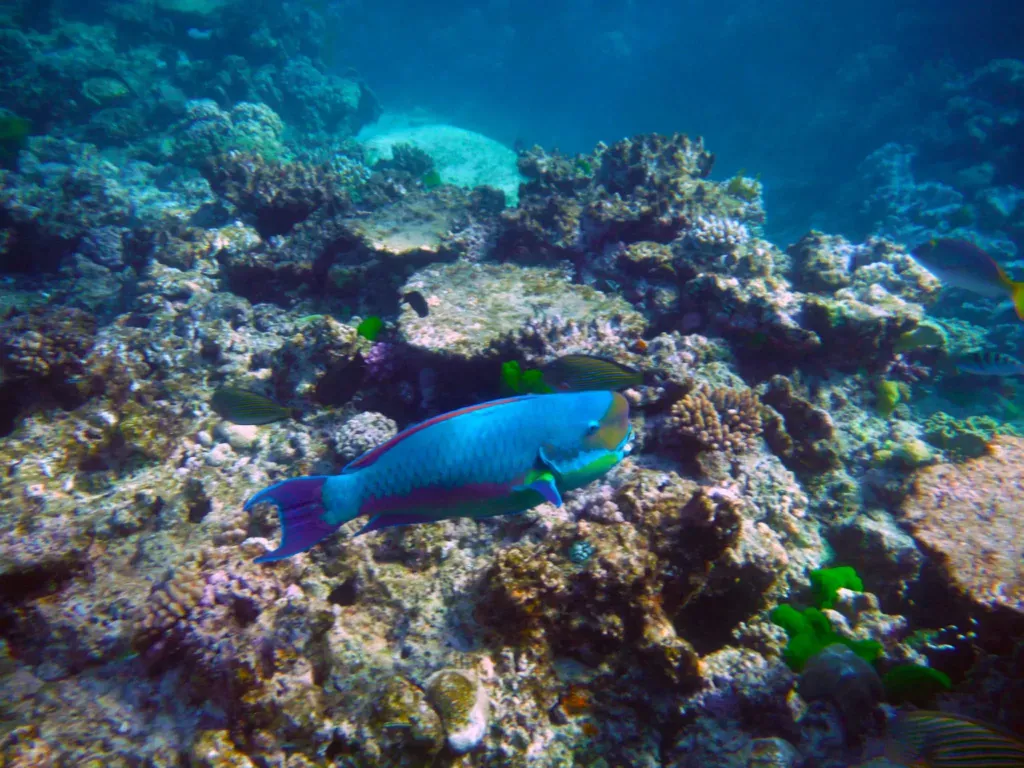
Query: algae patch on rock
<point x="403" y="714"/>
<point x="473" y="306"/>
<point x="463" y="705"/>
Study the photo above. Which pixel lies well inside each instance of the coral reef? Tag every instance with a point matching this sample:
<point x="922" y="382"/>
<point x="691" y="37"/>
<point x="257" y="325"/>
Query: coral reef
<point x="476" y="308"/>
<point x="206" y="132"/>
<point x="837" y="674"/>
<point x="912" y="191"/>
<point x="967" y="516"/>
<point x="719" y="418"/>
<point x="278" y="195"/>
<point x="174" y="221"/>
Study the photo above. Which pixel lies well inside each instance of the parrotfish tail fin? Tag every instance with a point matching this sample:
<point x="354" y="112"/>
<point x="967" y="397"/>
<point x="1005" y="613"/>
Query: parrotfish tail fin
<point x="300" y="505"/>
<point x="1017" y="294"/>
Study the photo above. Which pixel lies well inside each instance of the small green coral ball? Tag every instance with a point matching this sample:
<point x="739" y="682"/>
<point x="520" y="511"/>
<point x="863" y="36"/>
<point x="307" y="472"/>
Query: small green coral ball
<point x="827" y="582"/>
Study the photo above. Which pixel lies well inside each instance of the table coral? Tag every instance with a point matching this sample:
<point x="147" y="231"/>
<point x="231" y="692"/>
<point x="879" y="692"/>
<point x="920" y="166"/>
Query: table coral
<point x="968" y="515"/>
<point x="476" y="307"/>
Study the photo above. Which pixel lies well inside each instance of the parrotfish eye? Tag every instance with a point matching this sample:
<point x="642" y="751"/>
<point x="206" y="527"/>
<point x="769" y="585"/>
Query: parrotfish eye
<point x="592" y="428"/>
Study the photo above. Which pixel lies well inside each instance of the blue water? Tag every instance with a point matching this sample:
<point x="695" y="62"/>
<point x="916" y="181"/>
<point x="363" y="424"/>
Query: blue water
<point x="798" y="91"/>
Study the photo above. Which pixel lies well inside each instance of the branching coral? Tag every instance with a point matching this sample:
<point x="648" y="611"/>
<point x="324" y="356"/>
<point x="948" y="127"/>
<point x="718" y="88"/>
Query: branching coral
<point x="408" y="158"/>
<point x="719" y="418"/>
<point x="167" y="611"/>
<point x="46" y="343"/>
<point x="210" y="616"/>
<point x="718" y="234"/>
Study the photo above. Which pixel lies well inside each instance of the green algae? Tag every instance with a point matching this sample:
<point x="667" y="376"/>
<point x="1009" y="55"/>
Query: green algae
<point x="827" y="582"/>
<point x="913" y="453"/>
<point x="810" y="632"/>
<point x="964" y="438"/>
<point x="809" y="629"/>
<point x="14" y="132"/>
<point x="370" y="328"/>
<point x="915" y="684"/>
<point x="744" y="188"/>
<point x="431" y="179"/>
<point x="925" y="335"/>
<point x="887" y="397"/>
<point x="517" y="381"/>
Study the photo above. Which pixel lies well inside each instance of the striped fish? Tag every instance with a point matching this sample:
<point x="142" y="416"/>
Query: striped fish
<point x="240" y="406"/>
<point x="929" y="739"/>
<point x="582" y="373"/>
<point x="990" y="364"/>
<point x="494" y="458"/>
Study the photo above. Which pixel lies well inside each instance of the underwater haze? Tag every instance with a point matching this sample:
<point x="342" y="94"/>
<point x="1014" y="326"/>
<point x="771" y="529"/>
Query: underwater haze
<point x="799" y="92"/>
<point x="492" y="385"/>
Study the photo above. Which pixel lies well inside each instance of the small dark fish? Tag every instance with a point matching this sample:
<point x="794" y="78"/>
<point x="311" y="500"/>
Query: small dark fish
<point x="240" y="406"/>
<point x="933" y="739"/>
<point x="990" y="364"/>
<point x="581" y="373"/>
<point x="415" y="300"/>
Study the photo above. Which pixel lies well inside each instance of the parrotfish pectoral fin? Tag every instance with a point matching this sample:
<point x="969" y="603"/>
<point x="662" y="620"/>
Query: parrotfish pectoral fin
<point x="544" y="484"/>
<point x="546" y="487"/>
<point x="300" y="506"/>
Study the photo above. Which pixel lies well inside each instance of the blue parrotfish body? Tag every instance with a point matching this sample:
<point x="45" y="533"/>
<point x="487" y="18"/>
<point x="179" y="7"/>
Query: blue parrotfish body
<point x="494" y="458"/>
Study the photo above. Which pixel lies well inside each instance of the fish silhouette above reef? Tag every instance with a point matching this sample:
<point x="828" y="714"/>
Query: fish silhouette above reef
<point x="990" y="364"/>
<point x="962" y="264"/>
<point x="494" y="458"/>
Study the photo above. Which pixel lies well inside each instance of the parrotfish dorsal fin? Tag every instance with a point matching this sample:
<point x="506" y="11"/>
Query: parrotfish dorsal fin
<point x="372" y="455"/>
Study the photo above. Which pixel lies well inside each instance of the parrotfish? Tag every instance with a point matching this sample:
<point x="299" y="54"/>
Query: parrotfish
<point x="962" y="264"/>
<point x="495" y="458"/>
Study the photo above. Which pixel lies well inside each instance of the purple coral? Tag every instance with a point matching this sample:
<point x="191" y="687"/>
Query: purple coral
<point x="382" y="362"/>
